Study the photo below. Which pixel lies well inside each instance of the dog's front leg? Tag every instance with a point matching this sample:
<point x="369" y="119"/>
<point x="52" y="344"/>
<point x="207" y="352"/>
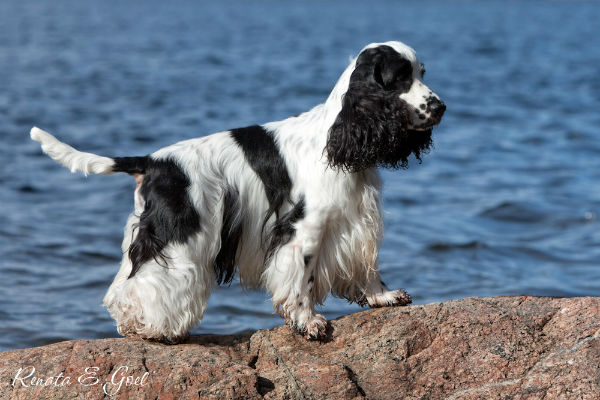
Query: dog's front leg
<point x="378" y="295"/>
<point x="290" y="278"/>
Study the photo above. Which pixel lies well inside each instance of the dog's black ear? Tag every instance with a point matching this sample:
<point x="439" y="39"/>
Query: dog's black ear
<point x="365" y="129"/>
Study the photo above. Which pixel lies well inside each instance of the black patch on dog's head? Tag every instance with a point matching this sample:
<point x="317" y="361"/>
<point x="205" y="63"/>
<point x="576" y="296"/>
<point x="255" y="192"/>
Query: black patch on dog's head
<point x="371" y="129"/>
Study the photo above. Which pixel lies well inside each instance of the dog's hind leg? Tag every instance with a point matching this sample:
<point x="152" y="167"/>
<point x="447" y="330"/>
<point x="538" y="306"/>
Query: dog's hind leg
<point x="167" y="293"/>
<point x="163" y="300"/>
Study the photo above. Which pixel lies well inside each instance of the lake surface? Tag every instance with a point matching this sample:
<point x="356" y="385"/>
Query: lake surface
<point x="507" y="203"/>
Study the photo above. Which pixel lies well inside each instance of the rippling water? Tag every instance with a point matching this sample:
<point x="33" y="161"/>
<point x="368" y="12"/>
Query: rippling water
<point x="507" y="203"/>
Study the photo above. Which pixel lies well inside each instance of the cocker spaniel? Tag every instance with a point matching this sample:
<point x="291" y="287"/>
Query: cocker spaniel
<point x="293" y="205"/>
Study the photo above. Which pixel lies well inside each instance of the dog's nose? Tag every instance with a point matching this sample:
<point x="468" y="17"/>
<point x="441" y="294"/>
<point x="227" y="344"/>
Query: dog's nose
<point x="437" y="107"/>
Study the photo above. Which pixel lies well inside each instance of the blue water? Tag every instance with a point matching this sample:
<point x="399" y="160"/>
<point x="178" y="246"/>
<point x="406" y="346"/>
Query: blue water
<point x="507" y="203"/>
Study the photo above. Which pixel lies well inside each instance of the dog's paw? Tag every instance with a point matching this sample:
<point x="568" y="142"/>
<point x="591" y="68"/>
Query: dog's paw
<point x="175" y="339"/>
<point x="170" y="340"/>
<point x="315" y="328"/>
<point x="389" y="298"/>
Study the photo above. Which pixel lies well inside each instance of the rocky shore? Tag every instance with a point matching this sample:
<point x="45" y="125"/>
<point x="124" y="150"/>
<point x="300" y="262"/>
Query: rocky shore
<point x="475" y="348"/>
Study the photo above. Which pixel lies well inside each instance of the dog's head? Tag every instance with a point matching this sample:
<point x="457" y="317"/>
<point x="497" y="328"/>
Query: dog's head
<point x="387" y="111"/>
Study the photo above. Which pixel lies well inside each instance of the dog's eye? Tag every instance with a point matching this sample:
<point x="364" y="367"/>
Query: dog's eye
<point x="403" y="74"/>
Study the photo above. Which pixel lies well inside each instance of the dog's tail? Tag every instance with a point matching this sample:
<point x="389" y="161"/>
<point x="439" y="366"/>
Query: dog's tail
<point x="87" y="163"/>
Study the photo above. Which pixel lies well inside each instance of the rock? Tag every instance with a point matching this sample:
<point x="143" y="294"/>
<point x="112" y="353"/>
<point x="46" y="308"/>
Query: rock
<point x="475" y="348"/>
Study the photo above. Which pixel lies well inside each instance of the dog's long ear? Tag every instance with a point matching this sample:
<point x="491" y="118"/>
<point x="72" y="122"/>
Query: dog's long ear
<point x="367" y="132"/>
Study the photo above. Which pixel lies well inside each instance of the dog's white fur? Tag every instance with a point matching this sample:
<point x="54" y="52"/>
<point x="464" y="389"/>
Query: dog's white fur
<point x="341" y="229"/>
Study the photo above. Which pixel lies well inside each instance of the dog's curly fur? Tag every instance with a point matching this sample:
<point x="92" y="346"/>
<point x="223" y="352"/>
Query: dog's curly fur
<point x="293" y="205"/>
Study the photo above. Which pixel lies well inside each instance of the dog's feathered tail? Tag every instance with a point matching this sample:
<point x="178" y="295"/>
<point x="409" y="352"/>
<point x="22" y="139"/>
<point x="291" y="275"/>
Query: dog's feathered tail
<point x="88" y="163"/>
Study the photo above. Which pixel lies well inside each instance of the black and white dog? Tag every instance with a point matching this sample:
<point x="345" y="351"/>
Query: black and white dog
<point x="293" y="204"/>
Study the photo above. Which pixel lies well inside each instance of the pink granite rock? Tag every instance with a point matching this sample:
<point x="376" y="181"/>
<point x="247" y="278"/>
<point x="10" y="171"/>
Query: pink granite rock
<point x="475" y="348"/>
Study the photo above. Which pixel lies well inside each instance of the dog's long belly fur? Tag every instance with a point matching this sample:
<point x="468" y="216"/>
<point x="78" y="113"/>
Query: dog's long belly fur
<point x="292" y="205"/>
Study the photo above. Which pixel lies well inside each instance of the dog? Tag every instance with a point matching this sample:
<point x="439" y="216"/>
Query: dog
<point x="294" y="205"/>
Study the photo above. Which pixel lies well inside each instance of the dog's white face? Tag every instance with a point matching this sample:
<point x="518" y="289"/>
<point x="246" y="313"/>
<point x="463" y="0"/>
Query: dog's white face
<point x="425" y="107"/>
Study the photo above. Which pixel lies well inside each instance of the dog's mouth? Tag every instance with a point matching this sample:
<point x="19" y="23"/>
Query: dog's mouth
<point x="421" y="131"/>
<point x="426" y="126"/>
<point x="418" y="130"/>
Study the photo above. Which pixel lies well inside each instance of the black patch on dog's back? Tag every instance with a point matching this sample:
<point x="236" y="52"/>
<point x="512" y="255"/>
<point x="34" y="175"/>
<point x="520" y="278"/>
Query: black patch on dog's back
<point x="262" y="153"/>
<point x="231" y="233"/>
<point x="168" y="216"/>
